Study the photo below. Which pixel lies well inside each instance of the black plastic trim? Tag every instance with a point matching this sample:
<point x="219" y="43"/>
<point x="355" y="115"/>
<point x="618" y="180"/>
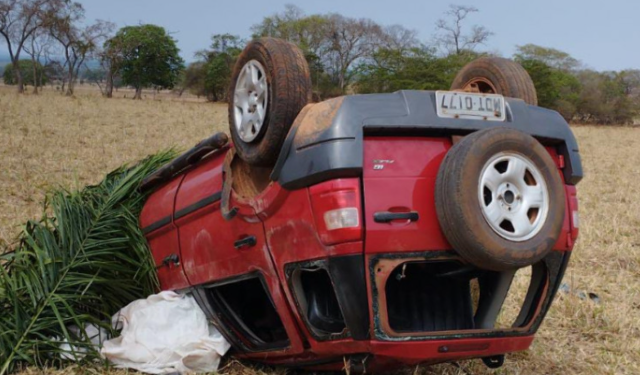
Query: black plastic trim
<point x="211" y="199"/>
<point x="184" y="162"/>
<point x="349" y="273"/>
<point x="248" y="241"/>
<point x="338" y="151"/>
<point x="157" y="225"/>
<point x="387" y="217"/>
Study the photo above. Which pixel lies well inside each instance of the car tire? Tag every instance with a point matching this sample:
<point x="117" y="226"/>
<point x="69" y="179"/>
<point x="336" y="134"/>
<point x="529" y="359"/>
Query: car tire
<point x="496" y="75"/>
<point x="269" y="86"/>
<point x="500" y="199"/>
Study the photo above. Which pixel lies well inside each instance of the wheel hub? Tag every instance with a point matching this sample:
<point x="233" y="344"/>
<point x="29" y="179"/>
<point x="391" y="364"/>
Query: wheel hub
<point x="250" y="100"/>
<point x="508" y="196"/>
<point x="513" y="196"/>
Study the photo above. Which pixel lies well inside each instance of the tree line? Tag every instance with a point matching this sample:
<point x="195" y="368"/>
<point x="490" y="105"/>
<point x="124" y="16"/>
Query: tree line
<point x="346" y="55"/>
<point x="60" y="45"/>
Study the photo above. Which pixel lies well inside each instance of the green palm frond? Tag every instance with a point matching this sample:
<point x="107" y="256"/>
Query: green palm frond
<point x="83" y="261"/>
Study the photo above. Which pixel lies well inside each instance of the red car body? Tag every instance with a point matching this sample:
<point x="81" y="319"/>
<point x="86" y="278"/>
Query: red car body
<point x="285" y="290"/>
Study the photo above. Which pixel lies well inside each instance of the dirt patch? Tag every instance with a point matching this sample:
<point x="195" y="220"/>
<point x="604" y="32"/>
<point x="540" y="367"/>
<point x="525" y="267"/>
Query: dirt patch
<point x="248" y="180"/>
<point x="317" y="118"/>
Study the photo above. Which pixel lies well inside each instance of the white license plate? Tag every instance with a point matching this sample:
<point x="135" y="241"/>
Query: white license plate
<point x="469" y="105"/>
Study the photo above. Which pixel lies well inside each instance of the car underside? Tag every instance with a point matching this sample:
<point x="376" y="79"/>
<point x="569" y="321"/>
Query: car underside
<point x="383" y="233"/>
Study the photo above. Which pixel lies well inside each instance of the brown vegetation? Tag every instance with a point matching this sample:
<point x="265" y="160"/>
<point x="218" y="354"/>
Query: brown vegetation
<point x="51" y="140"/>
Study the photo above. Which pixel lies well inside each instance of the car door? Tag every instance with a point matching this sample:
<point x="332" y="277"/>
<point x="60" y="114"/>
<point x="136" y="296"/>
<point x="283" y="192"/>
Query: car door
<point x="229" y="262"/>
<point x="211" y="247"/>
<point x="156" y="221"/>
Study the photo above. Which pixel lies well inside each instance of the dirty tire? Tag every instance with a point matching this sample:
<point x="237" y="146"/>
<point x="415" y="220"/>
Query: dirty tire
<point x="499" y="76"/>
<point x="288" y="90"/>
<point x="460" y="209"/>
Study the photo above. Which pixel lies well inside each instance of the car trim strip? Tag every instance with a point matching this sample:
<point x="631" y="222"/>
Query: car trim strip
<point x="183" y="212"/>
<point x="156" y="225"/>
<point x="198" y="205"/>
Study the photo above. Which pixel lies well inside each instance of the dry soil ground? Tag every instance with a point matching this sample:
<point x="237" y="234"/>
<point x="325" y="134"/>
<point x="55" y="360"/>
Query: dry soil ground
<point x="50" y="140"/>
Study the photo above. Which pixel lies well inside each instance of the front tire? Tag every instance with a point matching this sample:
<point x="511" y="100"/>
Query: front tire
<point x="496" y="75"/>
<point x="270" y="84"/>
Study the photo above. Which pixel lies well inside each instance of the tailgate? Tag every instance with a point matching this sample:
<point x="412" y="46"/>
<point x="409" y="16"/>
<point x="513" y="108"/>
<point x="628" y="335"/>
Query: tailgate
<point x="399" y="182"/>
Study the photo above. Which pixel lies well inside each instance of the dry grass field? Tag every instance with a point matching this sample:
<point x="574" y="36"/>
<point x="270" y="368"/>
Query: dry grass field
<point x="49" y="140"/>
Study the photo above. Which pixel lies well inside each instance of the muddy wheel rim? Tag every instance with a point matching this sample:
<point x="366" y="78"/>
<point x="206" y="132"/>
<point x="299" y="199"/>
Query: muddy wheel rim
<point x="513" y="196"/>
<point x="250" y="100"/>
<point x="480" y="85"/>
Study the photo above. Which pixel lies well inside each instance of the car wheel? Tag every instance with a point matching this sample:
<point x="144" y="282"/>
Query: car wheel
<point x="500" y="199"/>
<point x="269" y="86"/>
<point x="495" y="75"/>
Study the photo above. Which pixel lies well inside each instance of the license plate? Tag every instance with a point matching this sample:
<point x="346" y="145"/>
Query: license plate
<point x="469" y="105"/>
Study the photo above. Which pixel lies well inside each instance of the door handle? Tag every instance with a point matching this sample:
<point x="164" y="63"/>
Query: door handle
<point x="248" y="241"/>
<point x="173" y="258"/>
<point x="386" y="216"/>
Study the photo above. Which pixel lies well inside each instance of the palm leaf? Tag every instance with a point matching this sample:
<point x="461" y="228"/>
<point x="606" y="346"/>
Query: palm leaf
<point x="80" y="263"/>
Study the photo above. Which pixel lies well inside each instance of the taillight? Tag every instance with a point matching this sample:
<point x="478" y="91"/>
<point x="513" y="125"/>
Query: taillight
<point x="337" y="209"/>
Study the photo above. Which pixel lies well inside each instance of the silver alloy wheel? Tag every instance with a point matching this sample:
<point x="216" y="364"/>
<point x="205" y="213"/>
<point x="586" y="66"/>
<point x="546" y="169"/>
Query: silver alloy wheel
<point x="513" y="196"/>
<point x="250" y="100"/>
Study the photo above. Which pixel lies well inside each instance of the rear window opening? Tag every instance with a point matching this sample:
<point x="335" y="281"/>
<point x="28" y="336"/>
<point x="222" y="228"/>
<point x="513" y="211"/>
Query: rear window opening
<point x="451" y="296"/>
<point x="318" y="303"/>
<point x="424" y="297"/>
<point x="246" y="307"/>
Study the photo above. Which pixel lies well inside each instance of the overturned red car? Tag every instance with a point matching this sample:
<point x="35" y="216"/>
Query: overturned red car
<point x="369" y="231"/>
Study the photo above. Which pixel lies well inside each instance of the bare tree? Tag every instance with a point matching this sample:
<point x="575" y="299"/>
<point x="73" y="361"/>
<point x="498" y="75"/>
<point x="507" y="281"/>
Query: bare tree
<point x="349" y="40"/>
<point x="36" y="45"/>
<point x="19" y="20"/>
<point x="450" y="34"/>
<point x="77" y="43"/>
<point x="110" y="57"/>
<point x="397" y="37"/>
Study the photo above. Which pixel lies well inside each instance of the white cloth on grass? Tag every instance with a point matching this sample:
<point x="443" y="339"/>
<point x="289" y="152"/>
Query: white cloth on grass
<point x="165" y="333"/>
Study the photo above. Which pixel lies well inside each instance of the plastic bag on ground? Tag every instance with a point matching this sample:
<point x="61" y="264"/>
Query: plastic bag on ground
<point x="165" y="333"/>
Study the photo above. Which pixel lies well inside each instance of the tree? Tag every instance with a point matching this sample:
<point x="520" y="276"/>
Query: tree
<point x="418" y="68"/>
<point x="37" y="44"/>
<point x="557" y="89"/>
<point x="335" y="46"/>
<point x="27" y="73"/>
<point x="19" y="20"/>
<point x="450" y="34"/>
<point x="603" y="99"/>
<point x="630" y="80"/>
<point x="350" y="41"/>
<point x="77" y="43"/>
<point x="147" y="56"/>
<point x="399" y="38"/>
<point x="110" y="59"/>
<point x="211" y="75"/>
<point x="95" y="75"/>
<point x="550" y="56"/>
<point x="193" y="79"/>
<point x="307" y="32"/>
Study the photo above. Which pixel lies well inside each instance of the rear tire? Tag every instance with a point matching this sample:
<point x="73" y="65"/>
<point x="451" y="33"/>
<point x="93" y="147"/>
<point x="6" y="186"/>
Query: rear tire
<point x="496" y="75"/>
<point x="269" y="86"/>
<point x="500" y="199"/>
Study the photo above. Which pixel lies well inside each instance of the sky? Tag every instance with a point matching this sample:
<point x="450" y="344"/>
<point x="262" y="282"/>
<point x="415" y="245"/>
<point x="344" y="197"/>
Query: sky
<point x="604" y="34"/>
